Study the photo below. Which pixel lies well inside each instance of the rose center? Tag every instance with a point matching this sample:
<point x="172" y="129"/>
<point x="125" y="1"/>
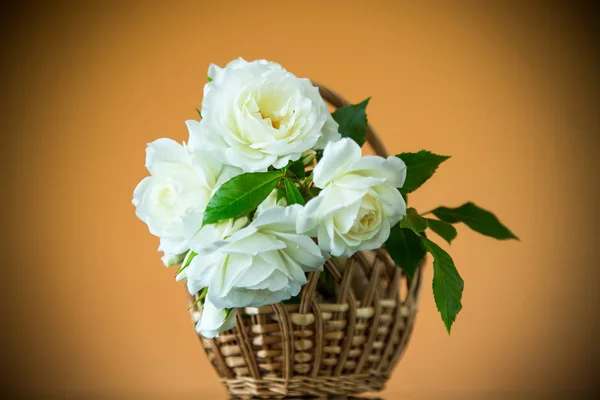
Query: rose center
<point x="166" y="197"/>
<point x="366" y="221"/>
<point x="165" y="203"/>
<point x="275" y="123"/>
<point x="368" y="217"/>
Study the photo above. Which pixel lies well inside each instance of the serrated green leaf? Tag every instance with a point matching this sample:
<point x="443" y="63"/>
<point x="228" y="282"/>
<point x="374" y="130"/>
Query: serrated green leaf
<point x="292" y="193"/>
<point x="412" y="220"/>
<point x="405" y="248"/>
<point x="443" y="229"/>
<point x="447" y="284"/>
<point x="240" y="195"/>
<point x="420" y="167"/>
<point x="352" y="120"/>
<point x="476" y="218"/>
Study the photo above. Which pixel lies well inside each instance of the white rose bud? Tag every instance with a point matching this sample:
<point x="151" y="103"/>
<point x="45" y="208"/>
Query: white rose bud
<point x="308" y="157"/>
<point x="359" y="202"/>
<point x="263" y="263"/>
<point x="257" y="114"/>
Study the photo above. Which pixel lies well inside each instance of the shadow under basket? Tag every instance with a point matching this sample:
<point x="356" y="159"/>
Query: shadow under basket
<point x="345" y="344"/>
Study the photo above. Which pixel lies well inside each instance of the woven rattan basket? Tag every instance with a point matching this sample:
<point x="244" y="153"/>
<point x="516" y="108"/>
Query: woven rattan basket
<point x="345" y="346"/>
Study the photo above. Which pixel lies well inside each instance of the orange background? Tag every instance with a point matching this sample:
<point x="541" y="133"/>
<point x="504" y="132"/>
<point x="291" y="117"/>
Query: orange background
<point x="510" y="92"/>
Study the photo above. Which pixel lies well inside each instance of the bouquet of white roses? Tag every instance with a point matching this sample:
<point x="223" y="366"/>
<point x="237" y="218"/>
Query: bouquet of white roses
<point x="270" y="185"/>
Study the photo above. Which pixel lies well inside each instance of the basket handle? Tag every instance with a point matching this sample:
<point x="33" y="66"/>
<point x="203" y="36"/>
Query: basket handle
<point x="338" y="101"/>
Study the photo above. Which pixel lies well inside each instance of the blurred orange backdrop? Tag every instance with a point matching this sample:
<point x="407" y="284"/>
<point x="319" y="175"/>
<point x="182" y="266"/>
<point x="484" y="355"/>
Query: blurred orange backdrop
<point x="511" y="92"/>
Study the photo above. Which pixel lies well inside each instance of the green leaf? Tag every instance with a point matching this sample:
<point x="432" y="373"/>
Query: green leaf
<point x="353" y="121"/>
<point x="240" y="195"/>
<point x="292" y="193"/>
<point x="476" y="218"/>
<point x="413" y="221"/>
<point x="447" y="284"/>
<point x="186" y="261"/>
<point x="405" y="248"/>
<point x="280" y="194"/>
<point x="199" y="113"/>
<point x="202" y="295"/>
<point x="444" y="229"/>
<point x="297" y="168"/>
<point x="419" y="168"/>
<point x="208" y="78"/>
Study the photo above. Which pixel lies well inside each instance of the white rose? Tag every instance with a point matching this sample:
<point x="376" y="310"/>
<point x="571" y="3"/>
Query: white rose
<point x="214" y="320"/>
<point x="208" y="234"/>
<point x="256" y="114"/>
<point x="181" y="182"/>
<point x="261" y="264"/>
<point x="359" y="202"/>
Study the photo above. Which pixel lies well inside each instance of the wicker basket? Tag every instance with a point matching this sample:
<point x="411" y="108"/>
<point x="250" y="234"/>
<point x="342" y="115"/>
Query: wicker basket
<point x="345" y="346"/>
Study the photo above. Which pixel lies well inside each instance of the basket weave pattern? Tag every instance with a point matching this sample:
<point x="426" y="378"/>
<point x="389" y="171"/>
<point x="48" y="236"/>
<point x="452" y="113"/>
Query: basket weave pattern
<point x="320" y="348"/>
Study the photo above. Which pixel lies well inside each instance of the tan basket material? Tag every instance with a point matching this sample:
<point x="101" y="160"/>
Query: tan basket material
<point x="319" y="348"/>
